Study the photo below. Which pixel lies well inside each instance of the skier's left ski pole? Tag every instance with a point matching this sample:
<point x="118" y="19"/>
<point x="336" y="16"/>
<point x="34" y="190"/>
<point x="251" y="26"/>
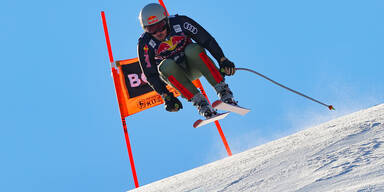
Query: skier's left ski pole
<point x="330" y="107"/>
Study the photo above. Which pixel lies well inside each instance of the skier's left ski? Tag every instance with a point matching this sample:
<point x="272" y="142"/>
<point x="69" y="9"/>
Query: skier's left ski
<point x="201" y="122"/>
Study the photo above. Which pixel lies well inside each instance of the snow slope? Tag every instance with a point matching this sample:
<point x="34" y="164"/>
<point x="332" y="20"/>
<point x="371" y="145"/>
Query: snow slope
<point x="345" y="154"/>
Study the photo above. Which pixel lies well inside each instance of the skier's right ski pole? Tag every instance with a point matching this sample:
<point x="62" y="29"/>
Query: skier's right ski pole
<point x="330" y="107"/>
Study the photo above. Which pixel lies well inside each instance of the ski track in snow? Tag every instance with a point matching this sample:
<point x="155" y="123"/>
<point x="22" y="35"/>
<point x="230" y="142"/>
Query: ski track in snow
<point x="345" y="154"/>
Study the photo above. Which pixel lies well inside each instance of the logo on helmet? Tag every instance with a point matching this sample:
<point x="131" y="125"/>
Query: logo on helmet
<point x="152" y="19"/>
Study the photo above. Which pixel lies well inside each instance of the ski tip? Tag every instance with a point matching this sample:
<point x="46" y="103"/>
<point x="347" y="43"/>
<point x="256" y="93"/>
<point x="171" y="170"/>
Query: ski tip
<point x="331" y="108"/>
<point x="216" y="103"/>
<point x="197" y="123"/>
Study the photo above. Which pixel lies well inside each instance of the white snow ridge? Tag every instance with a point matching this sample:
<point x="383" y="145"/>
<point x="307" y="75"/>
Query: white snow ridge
<point x="345" y="154"/>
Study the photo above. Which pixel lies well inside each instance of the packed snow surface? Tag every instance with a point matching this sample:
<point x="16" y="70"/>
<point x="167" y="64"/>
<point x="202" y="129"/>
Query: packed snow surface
<point x="345" y="154"/>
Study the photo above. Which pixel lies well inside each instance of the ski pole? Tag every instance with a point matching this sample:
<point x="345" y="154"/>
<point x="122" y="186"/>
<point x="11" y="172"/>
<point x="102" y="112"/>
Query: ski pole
<point x="330" y="107"/>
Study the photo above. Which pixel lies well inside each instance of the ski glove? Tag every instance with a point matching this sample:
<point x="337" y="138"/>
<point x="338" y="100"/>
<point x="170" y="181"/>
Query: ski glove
<point x="172" y="104"/>
<point x="227" y="67"/>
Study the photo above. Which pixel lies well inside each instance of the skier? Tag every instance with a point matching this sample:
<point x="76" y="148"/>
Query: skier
<point x="167" y="55"/>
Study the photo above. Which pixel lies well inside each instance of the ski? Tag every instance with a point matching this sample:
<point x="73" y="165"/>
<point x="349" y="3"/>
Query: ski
<point x="201" y="122"/>
<point x="219" y="105"/>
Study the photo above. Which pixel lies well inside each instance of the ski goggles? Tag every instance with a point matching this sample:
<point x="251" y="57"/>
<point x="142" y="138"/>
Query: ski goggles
<point x="158" y="27"/>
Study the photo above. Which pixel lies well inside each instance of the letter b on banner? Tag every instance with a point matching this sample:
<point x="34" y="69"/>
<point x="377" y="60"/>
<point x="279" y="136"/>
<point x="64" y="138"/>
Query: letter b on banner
<point x="135" y="81"/>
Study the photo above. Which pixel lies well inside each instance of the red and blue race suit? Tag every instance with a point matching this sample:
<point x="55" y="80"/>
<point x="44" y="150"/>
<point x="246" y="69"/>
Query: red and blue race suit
<point x="181" y="31"/>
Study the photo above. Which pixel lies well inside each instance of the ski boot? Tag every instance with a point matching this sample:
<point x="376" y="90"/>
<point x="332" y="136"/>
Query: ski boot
<point x="204" y="108"/>
<point x="224" y="93"/>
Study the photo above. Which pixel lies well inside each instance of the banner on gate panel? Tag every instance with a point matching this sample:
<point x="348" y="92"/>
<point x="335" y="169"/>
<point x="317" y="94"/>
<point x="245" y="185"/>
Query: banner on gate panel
<point x="138" y="95"/>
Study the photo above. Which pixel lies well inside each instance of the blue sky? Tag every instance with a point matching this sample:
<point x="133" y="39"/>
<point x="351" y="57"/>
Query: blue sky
<point x="60" y="124"/>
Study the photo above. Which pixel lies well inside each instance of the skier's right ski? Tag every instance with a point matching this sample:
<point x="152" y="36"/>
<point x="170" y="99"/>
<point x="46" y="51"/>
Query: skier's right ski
<point x="201" y="122"/>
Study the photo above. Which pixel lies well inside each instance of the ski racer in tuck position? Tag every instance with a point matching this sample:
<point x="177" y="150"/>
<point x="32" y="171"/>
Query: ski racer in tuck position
<point x="167" y="55"/>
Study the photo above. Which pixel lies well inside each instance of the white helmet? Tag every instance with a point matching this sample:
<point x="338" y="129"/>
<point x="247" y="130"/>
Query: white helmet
<point x="152" y="14"/>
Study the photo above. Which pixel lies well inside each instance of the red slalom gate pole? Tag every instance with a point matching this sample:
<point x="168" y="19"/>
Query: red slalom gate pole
<point x="218" y="126"/>
<point x="116" y="81"/>
<point x="127" y="141"/>
<point x="162" y="4"/>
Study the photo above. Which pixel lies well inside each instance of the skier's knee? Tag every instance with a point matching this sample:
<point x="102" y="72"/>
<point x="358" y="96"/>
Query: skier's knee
<point x="167" y="66"/>
<point x="193" y="50"/>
